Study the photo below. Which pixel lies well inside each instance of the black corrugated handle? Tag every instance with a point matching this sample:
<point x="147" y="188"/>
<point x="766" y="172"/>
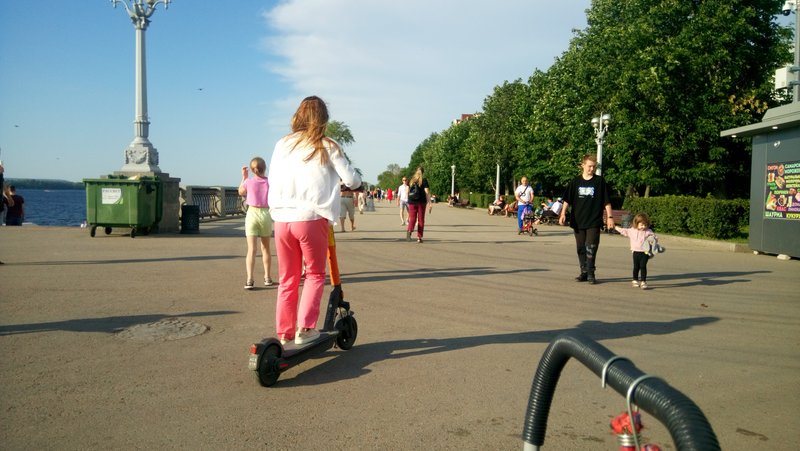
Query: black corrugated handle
<point x="688" y="426"/>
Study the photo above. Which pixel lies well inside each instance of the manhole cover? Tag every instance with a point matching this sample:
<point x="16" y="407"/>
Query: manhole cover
<point x="164" y="330"/>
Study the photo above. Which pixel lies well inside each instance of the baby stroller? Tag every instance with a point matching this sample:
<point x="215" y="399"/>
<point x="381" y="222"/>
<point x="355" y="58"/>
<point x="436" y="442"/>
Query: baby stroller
<point x="528" y="219"/>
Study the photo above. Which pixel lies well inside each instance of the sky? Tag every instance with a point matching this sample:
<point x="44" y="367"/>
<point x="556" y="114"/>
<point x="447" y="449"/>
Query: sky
<point x="225" y="77"/>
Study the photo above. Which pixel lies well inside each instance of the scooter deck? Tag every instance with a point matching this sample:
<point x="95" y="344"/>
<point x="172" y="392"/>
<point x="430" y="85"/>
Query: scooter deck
<point x="290" y="348"/>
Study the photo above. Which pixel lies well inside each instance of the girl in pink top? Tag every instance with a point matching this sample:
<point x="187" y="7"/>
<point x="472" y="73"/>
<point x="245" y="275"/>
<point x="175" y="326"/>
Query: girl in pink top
<point x="637" y="234"/>
<point x="257" y="223"/>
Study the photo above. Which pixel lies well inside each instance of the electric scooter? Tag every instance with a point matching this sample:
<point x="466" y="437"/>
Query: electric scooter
<point x="269" y="358"/>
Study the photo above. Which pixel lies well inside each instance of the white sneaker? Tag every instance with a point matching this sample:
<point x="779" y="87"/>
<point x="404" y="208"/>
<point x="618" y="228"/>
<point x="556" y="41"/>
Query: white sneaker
<point x="635" y="283"/>
<point x="268" y="282"/>
<point x="306" y="336"/>
<point x="643" y="285"/>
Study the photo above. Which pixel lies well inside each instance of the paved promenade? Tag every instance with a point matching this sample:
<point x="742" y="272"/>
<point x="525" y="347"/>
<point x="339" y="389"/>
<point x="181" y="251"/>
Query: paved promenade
<point x="450" y="334"/>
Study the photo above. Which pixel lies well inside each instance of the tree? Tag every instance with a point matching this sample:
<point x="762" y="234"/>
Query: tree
<point x="392" y="177"/>
<point x="340" y="132"/>
<point x="672" y="74"/>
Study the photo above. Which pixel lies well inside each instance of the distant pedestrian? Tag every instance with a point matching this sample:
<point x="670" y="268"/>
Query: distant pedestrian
<point x="402" y="201"/>
<point x="257" y="223"/>
<point x="6" y="194"/>
<point x="524" y="196"/>
<point x="348" y="206"/>
<point x="638" y="234"/>
<point x="419" y="198"/>
<point x="15" y="214"/>
<point x="362" y="201"/>
<point x="304" y="200"/>
<point x="588" y="196"/>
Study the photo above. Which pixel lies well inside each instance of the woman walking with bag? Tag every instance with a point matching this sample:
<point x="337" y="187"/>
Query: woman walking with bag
<point x="419" y="198"/>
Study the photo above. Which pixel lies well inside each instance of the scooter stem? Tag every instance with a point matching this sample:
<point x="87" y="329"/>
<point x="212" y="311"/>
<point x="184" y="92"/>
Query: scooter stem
<point x="332" y="261"/>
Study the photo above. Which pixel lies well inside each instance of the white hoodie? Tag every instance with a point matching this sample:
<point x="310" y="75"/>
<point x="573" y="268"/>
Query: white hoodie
<point x="306" y="190"/>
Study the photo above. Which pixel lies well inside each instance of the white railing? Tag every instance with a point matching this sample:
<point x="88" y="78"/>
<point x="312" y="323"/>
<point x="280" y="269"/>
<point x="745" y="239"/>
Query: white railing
<point x="215" y="202"/>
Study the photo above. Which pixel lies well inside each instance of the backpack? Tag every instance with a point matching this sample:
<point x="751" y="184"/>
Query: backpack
<point x="415" y="193"/>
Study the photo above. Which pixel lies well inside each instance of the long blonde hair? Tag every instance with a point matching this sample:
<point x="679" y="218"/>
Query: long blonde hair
<point x="310" y="121"/>
<point x="416" y="179"/>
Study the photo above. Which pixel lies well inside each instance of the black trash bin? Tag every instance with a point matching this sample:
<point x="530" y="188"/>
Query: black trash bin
<point x="190" y="218"/>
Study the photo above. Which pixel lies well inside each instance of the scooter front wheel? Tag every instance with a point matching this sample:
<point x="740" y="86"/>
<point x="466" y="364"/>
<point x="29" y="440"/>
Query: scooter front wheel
<point x="348" y="331"/>
<point x="267" y="372"/>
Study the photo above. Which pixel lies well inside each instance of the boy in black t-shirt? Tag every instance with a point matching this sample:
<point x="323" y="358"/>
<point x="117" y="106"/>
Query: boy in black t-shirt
<point x="588" y="196"/>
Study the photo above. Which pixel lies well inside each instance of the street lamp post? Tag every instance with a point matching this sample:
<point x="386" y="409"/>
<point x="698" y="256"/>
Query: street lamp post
<point x="452" y="181"/>
<point x="141" y="156"/>
<point x="497" y="184"/>
<point x="600" y="125"/>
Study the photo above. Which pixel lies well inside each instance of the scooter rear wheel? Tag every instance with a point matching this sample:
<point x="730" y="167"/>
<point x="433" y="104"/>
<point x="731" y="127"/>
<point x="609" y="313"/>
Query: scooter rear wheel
<point x="267" y="372"/>
<point x="348" y="331"/>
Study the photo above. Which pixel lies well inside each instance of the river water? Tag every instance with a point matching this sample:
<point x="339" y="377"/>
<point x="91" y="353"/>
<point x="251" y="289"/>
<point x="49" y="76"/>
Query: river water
<point x="58" y="207"/>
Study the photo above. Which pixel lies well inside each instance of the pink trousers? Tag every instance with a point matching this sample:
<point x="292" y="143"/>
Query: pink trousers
<point x="295" y="242"/>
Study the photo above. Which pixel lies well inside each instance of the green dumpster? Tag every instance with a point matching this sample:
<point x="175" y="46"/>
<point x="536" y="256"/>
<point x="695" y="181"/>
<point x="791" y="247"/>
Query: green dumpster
<point x="133" y="203"/>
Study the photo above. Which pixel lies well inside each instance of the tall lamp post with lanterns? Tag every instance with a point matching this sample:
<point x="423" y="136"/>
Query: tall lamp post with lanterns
<point x="141" y="156"/>
<point x="600" y="125"/>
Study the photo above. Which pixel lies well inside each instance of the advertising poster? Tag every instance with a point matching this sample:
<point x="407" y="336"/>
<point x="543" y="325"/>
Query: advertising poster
<point x="782" y="197"/>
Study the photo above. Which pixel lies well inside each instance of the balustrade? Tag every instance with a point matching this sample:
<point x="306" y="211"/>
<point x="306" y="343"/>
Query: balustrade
<point x="215" y="202"/>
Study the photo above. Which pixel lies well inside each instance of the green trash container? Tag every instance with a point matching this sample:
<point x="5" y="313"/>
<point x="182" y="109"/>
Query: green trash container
<point x="123" y="202"/>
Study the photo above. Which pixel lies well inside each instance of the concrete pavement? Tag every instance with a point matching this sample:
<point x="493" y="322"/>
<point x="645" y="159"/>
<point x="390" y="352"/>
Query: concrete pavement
<point x="450" y="334"/>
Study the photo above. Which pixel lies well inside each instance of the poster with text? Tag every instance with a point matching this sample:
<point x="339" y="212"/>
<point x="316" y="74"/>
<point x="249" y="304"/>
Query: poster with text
<point x="782" y="197"/>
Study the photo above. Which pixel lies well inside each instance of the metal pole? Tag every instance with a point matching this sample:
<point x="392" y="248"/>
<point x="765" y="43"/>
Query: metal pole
<point x="141" y="129"/>
<point x="599" y="141"/>
<point x="141" y="156"/>
<point x="796" y="91"/>
<point x="497" y="184"/>
<point x="452" y="181"/>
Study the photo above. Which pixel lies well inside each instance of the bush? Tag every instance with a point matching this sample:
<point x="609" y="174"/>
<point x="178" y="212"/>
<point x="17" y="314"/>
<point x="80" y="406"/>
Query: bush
<point x="711" y="218"/>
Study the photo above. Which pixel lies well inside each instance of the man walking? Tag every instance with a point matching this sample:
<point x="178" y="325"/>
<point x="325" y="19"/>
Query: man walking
<point x="524" y="196"/>
<point x="402" y="201"/>
<point x="588" y="196"/>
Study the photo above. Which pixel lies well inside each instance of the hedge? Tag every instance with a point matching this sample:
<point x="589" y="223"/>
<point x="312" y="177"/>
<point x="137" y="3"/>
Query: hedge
<point x="711" y="218"/>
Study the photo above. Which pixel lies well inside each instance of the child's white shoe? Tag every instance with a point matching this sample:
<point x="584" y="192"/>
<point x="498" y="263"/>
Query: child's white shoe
<point x="635" y="283"/>
<point x="643" y="285"/>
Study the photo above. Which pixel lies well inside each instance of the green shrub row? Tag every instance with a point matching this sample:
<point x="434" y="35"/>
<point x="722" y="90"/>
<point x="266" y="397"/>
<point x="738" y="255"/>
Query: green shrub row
<point x="680" y="215"/>
<point x="684" y="215"/>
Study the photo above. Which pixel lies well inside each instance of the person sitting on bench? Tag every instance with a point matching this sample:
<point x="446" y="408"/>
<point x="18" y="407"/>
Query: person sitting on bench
<point x="497" y="206"/>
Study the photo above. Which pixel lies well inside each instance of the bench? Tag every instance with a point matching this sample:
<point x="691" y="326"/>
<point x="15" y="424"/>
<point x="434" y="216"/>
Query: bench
<point x="622" y="218"/>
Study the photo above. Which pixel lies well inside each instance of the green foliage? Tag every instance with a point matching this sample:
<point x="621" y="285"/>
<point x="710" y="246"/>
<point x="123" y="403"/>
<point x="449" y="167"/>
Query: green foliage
<point x="683" y="215"/>
<point x="339" y="132"/>
<point x="672" y="74"/>
<point x="392" y="177"/>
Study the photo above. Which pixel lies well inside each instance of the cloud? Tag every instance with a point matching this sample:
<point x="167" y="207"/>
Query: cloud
<point x="397" y="71"/>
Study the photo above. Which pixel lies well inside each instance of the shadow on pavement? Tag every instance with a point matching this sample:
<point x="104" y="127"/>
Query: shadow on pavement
<point x="355" y="362"/>
<point x="127" y="260"/>
<point x="429" y="273"/>
<point x="108" y="324"/>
